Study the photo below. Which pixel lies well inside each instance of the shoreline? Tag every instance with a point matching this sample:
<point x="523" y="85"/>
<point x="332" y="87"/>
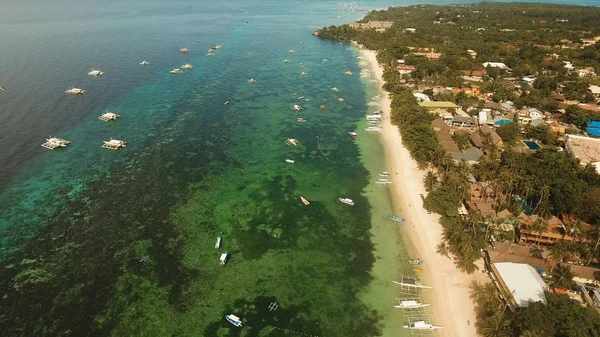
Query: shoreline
<point x="451" y="305"/>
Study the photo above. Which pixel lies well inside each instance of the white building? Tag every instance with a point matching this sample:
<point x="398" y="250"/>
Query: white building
<point x="586" y="149"/>
<point x="521" y="281"/>
<point x="534" y="113"/>
<point x="483" y="116"/>
<point x="495" y="65"/>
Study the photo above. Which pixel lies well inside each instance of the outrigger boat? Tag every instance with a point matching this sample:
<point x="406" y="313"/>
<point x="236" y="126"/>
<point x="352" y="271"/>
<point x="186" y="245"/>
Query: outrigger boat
<point x="96" y="72"/>
<point x="289" y="161"/>
<point x="415" y="261"/>
<point x="114" y="144"/>
<point x="421" y="325"/>
<point x="412" y="283"/>
<point x="304" y="201"/>
<point x="223" y="259"/>
<point x="353" y="135"/>
<point x="384" y="174"/>
<point x="301" y="120"/>
<point x="184" y="50"/>
<point x="187" y="66"/>
<point x="346" y="201"/>
<point x="374" y="128"/>
<point x="218" y="243"/>
<point x="108" y="116"/>
<point x="410" y="304"/>
<point x="75" y="91"/>
<point x="144" y="63"/>
<point x="233" y="319"/>
<point x="53" y="142"/>
<point x="292" y="141"/>
<point x="383" y="182"/>
<point x="176" y="71"/>
<point x="396" y="218"/>
<point x="335" y="89"/>
<point x="341" y="100"/>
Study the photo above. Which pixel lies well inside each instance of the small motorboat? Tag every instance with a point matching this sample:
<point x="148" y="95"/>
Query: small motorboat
<point x="349" y="73"/>
<point x="223" y="259"/>
<point x="301" y="97"/>
<point x="289" y="161"/>
<point x="335" y="89"/>
<point x="346" y="201"/>
<point x="303" y="73"/>
<point x="397" y="218"/>
<point x="322" y="106"/>
<point x="415" y="261"/>
<point x="383" y="181"/>
<point x="75" y="91"/>
<point x="301" y="120"/>
<point x="297" y="108"/>
<point x="352" y="135"/>
<point x="251" y="80"/>
<point x="218" y="243"/>
<point x="341" y="100"/>
<point x="96" y="72"/>
<point x="187" y="66"/>
<point x="176" y="71"/>
<point x="184" y="50"/>
<point x="233" y="319"/>
<point x="1" y="88"/>
<point x="324" y="60"/>
<point x="286" y="61"/>
<point x="418" y="270"/>
<point x="210" y="54"/>
<point x="291" y="51"/>
<point x="304" y="201"/>
<point x="292" y="141"/>
<point x="144" y="63"/>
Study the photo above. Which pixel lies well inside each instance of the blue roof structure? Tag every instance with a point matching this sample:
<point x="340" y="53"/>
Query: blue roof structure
<point x="593" y="124"/>
<point x="593" y="131"/>
<point x="503" y="121"/>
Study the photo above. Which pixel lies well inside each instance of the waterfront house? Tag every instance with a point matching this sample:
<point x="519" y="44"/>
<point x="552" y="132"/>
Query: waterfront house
<point x="586" y="72"/>
<point x="495" y="65"/>
<point x="405" y="69"/>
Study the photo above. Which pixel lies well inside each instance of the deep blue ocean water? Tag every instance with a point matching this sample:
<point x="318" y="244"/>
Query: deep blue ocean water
<point x="194" y="167"/>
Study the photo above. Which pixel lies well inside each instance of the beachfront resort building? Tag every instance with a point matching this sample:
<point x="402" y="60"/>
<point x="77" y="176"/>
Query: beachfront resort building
<point x="519" y="283"/>
<point x="405" y="69"/>
<point x="438" y="106"/>
<point x="586" y="149"/>
<point x="379" y="26"/>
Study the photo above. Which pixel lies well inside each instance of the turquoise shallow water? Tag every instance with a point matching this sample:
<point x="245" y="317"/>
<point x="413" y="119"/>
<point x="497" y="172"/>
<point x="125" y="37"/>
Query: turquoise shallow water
<point x="75" y="222"/>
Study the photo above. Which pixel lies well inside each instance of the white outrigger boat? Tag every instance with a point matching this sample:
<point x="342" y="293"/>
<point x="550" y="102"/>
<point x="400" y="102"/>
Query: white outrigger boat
<point x="383" y="182"/>
<point x="108" y="116"/>
<point x="176" y="71"/>
<point x="411" y="283"/>
<point x="415" y="261"/>
<point x="292" y="141"/>
<point x="335" y="89"/>
<point x="96" y="72"/>
<point x="187" y="66"/>
<point x="346" y="201"/>
<point x="374" y="128"/>
<point x="289" y="161"/>
<point x="114" y="144"/>
<point x="384" y="174"/>
<point x="421" y="325"/>
<point x="218" y="47"/>
<point x="297" y="108"/>
<point x="53" y="142"/>
<point x="349" y="73"/>
<point x="218" y="243"/>
<point x="75" y="91"/>
<point x="184" y="50"/>
<point x="223" y="258"/>
<point x="233" y="319"/>
<point x="144" y="63"/>
<point x="410" y="304"/>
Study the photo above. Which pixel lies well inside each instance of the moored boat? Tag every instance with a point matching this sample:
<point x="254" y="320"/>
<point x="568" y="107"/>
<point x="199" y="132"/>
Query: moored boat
<point x="144" y="63"/>
<point x="341" y="100"/>
<point x="251" y="80"/>
<point x="301" y="120"/>
<point x="218" y="243"/>
<point x="346" y="201"/>
<point x="353" y="135"/>
<point x="233" y="319"/>
<point x="415" y="261"/>
<point x="410" y="304"/>
<point x="297" y="108"/>
<point x="54" y="142"/>
<point x="384" y="174"/>
<point x="383" y="182"/>
<point x="96" y="72"/>
<point x="292" y="141"/>
<point x="335" y="89"/>
<point x="304" y="201"/>
<point x="187" y="66"/>
<point x="286" y="61"/>
<point x="176" y="71"/>
<point x="184" y="50"/>
<point x="223" y="258"/>
<point x="349" y="73"/>
<point x="417" y="269"/>
<point x="289" y="161"/>
<point x="75" y="91"/>
<point x="114" y="144"/>
<point x="374" y="128"/>
<point x="421" y="325"/>
<point x="396" y="218"/>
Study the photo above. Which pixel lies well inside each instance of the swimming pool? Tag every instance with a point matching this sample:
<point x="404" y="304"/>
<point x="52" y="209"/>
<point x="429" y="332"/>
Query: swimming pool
<point x="531" y="144"/>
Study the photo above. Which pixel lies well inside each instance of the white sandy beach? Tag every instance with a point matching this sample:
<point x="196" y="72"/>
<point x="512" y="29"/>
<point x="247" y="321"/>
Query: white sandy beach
<point x="451" y="306"/>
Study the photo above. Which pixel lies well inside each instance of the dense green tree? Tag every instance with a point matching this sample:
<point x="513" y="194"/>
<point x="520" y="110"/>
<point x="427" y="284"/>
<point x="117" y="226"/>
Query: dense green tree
<point x="508" y="132"/>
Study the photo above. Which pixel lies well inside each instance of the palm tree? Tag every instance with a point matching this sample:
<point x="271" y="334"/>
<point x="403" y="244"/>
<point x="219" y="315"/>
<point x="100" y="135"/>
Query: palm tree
<point x="558" y="251"/>
<point x="562" y="277"/>
<point x="544" y="194"/>
<point x="430" y="180"/>
<point x="467" y="265"/>
<point x="442" y="249"/>
<point x="539" y="226"/>
<point x="495" y="326"/>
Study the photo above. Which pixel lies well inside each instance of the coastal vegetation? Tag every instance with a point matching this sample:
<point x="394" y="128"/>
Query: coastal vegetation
<point x="536" y="40"/>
